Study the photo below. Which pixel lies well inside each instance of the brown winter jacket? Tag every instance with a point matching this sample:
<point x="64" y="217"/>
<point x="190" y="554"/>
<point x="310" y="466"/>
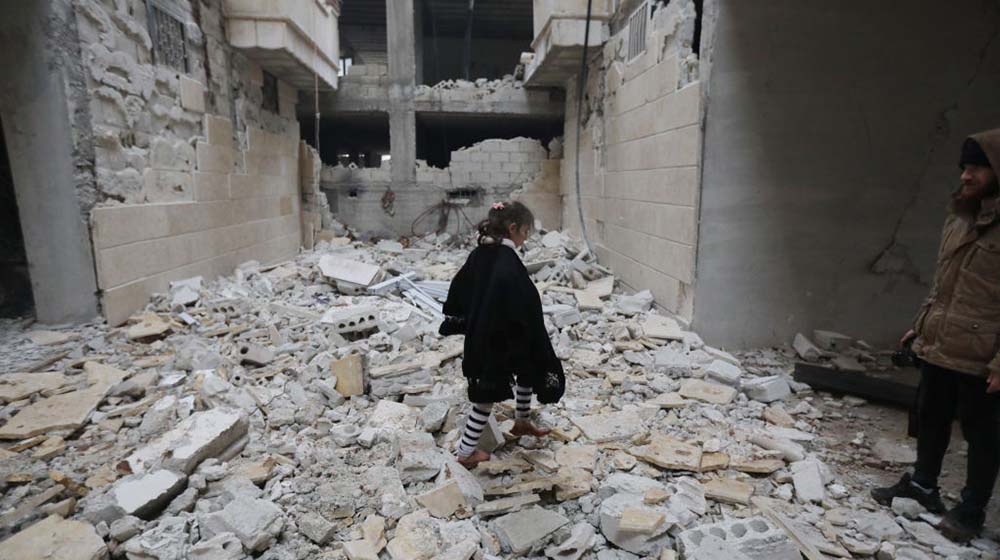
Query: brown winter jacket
<point x="958" y="326"/>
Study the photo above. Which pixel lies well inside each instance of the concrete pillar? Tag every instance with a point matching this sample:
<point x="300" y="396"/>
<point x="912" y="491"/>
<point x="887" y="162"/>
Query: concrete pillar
<point x="40" y="143"/>
<point x="402" y="80"/>
<point x="418" y="39"/>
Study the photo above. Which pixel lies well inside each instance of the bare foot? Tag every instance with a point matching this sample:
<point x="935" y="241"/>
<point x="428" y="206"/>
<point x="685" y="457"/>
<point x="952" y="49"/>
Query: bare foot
<point x="470" y="462"/>
<point x="528" y="429"/>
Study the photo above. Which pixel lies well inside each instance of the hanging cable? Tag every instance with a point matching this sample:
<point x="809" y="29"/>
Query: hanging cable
<point x="581" y="87"/>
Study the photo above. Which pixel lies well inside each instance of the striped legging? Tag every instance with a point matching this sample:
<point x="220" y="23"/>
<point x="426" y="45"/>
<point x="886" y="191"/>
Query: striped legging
<point x="480" y="415"/>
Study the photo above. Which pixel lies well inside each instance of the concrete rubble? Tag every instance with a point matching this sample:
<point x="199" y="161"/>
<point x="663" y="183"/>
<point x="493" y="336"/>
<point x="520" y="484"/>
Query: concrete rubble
<point x="317" y="418"/>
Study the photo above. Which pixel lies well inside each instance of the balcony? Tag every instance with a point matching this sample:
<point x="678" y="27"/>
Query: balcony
<point x="296" y="40"/>
<point x="560" y="28"/>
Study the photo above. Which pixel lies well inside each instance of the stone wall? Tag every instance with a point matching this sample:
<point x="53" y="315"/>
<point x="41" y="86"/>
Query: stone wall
<point x="194" y="176"/>
<point x="492" y="169"/>
<point x="639" y="159"/>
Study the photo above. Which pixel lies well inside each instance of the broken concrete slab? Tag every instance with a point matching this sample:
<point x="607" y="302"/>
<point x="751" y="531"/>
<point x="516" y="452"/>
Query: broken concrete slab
<point x="708" y="392"/>
<point x="729" y="491"/>
<point x="641" y="520"/>
<point x="506" y="505"/>
<point x="202" y="435"/>
<point x="832" y="341"/>
<point x="669" y="453"/>
<point x="17" y="386"/>
<point x="604" y="428"/>
<point x="390" y="416"/>
<point x="316" y="528"/>
<point x="145" y="495"/>
<point x="808" y="481"/>
<point x="642" y="543"/>
<point x="581" y="539"/>
<point x="66" y="411"/>
<point x="523" y="530"/>
<point x="662" y="328"/>
<point x="256" y="522"/>
<point x="346" y="270"/>
<point x="55" y="538"/>
<point x="149" y="326"/>
<point x="806" y="349"/>
<point x="443" y="501"/>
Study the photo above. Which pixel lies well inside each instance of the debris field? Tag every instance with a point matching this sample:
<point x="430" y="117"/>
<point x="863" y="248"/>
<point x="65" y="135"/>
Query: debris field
<point x="310" y="410"/>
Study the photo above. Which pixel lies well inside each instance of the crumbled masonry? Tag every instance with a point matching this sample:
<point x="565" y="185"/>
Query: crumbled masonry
<point x="309" y="409"/>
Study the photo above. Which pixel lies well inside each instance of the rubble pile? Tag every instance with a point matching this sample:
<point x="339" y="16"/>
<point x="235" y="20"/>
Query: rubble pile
<point x="310" y="410"/>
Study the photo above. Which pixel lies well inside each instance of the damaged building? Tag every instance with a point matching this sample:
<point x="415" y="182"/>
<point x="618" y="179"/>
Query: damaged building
<point x="228" y="227"/>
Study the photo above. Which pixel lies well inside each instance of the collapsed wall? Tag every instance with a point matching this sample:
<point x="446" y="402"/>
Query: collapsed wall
<point x="196" y="163"/>
<point x="640" y="153"/>
<point x="491" y="170"/>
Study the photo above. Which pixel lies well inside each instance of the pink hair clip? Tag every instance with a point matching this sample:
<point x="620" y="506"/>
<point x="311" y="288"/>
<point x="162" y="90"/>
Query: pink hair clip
<point x="498" y="205"/>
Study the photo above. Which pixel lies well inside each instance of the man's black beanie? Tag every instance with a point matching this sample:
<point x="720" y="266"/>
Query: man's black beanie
<point x="972" y="153"/>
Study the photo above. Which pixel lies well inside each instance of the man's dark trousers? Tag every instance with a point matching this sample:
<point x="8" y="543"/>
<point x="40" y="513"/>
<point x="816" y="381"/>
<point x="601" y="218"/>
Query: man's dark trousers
<point x="942" y="393"/>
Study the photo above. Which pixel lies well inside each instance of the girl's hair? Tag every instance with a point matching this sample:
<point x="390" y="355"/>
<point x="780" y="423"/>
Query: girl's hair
<point x="502" y="215"/>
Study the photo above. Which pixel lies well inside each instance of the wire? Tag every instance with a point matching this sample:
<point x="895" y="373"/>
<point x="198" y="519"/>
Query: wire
<point x="582" y="81"/>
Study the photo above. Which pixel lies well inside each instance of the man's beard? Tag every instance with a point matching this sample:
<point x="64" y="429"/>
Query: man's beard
<point x="971" y="203"/>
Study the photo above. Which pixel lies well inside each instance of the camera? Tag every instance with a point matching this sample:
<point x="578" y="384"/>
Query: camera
<point x="906" y="357"/>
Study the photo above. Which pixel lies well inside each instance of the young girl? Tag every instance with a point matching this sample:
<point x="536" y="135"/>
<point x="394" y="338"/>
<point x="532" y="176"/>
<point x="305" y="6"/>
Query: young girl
<point x="493" y="302"/>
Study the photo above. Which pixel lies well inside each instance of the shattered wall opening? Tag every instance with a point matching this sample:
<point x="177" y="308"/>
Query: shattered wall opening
<point x="439" y="134"/>
<point x="16" y="298"/>
<point x="359" y="139"/>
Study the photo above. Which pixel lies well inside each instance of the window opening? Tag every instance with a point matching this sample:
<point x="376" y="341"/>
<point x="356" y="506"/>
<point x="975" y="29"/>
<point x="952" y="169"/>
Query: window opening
<point x="637" y="31"/>
<point x="169" y="39"/>
<point x="345" y="65"/>
<point x="269" y="90"/>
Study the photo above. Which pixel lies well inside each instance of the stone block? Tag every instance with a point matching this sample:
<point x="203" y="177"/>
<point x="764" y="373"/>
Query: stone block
<point x="211" y="186"/>
<point x="443" y="501"/>
<point x="218" y="130"/>
<point x="213" y="158"/>
<point x="642" y="543"/>
<point x="523" y="530"/>
<point x="167" y="186"/>
<point x="669" y="453"/>
<point x="728" y="491"/>
<point x="202" y="435"/>
<point x="755" y="538"/>
<point x="350" y="375"/>
<point x="192" y="94"/>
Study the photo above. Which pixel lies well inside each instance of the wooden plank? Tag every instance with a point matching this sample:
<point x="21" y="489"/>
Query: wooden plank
<point x="863" y="385"/>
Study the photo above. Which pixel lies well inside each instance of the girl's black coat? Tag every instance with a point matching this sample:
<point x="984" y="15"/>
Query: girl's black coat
<point x="493" y="302"/>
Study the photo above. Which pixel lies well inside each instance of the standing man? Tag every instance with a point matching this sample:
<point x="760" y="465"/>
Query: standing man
<point x="957" y="335"/>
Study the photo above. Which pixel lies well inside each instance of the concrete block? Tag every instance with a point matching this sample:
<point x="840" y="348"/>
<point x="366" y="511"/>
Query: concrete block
<point x="213" y="158"/>
<point x="202" y="435"/>
<point x="254" y="355"/>
<point x="443" y="501"/>
<point x="808" y="481"/>
<point x="724" y="372"/>
<point x="521" y="531"/>
<point x="192" y="94"/>
<point x="767" y="389"/>
<point x="832" y="341"/>
<point x="316" y="528"/>
<point x="755" y="538"/>
<point x="218" y="130"/>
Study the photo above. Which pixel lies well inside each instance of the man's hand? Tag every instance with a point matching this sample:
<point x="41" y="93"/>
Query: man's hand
<point x="993" y="382"/>
<point x="910" y="335"/>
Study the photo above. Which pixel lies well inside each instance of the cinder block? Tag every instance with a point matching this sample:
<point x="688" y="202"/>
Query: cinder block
<point x="192" y="94"/>
<point x="215" y="159"/>
<point x="755" y="537"/>
<point x="218" y="130"/>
